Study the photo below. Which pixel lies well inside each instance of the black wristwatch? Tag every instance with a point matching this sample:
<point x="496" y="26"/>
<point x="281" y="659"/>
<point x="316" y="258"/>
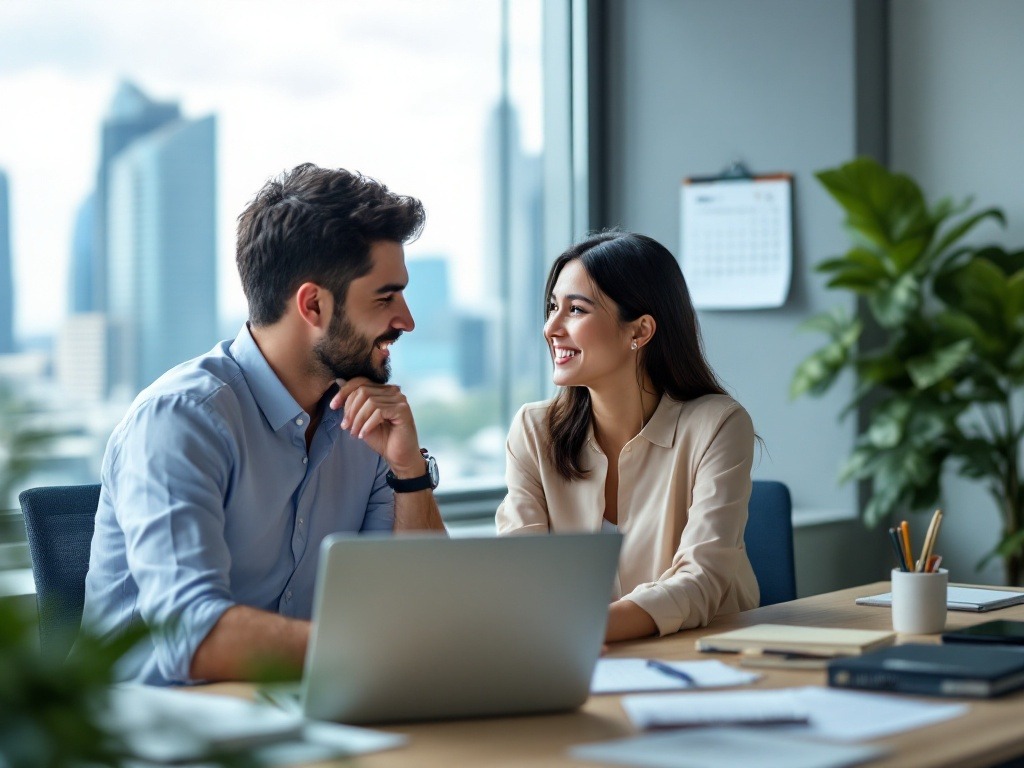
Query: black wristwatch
<point x="409" y="485"/>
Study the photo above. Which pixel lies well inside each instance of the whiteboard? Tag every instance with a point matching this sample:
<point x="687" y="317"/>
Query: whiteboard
<point x="737" y="241"/>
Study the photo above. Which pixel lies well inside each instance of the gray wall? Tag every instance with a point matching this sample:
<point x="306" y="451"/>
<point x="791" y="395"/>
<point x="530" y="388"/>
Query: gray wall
<point x="692" y="85"/>
<point x="958" y="128"/>
<point x="933" y="87"/>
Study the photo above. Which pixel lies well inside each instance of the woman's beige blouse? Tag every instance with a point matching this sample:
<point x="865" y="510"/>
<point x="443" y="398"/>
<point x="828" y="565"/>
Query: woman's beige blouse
<point x="684" y="484"/>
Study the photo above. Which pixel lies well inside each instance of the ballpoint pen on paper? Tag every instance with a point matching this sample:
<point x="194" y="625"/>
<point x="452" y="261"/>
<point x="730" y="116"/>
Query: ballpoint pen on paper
<point x="678" y="674"/>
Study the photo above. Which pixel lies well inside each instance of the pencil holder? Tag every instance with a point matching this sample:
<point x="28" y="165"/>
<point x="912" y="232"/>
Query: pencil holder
<point x="919" y="601"/>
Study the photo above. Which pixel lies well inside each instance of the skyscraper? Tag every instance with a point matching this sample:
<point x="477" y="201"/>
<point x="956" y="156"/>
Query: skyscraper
<point x="162" y="251"/>
<point x="6" y="277"/>
<point x="81" y="293"/>
<point x="515" y="264"/>
<point x="132" y="115"/>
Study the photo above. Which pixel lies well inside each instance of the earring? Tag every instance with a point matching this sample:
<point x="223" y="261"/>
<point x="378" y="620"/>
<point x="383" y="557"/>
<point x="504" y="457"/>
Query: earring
<point x="633" y="345"/>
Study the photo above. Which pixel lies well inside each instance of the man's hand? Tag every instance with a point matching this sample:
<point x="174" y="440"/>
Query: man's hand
<point x="379" y="415"/>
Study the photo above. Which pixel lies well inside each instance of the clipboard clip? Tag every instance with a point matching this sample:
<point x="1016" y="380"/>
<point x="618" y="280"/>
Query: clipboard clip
<point x="736" y="170"/>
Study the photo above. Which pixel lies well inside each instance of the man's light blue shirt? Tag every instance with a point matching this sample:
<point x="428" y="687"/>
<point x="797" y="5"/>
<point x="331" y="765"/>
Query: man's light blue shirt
<point x="209" y="499"/>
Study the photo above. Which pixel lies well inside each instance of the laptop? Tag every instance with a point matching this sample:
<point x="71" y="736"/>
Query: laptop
<point x="423" y="627"/>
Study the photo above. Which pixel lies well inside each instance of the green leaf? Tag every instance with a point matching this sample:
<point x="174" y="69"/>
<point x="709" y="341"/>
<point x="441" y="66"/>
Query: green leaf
<point x="836" y="322"/>
<point x="965" y="226"/>
<point x="817" y="373"/>
<point x="979" y="458"/>
<point x="882" y="208"/>
<point x="978" y="289"/>
<point x="894" y="306"/>
<point x="928" y="369"/>
<point x="888" y="423"/>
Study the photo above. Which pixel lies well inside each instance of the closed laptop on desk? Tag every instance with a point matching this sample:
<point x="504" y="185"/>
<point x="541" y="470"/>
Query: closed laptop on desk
<point x="932" y="670"/>
<point x="425" y="627"/>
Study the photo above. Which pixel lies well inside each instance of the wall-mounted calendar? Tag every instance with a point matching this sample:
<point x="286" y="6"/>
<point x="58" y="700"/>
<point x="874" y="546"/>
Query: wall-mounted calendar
<point x="737" y="240"/>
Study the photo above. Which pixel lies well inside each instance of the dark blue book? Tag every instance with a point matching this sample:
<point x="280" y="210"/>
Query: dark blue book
<point x="972" y="671"/>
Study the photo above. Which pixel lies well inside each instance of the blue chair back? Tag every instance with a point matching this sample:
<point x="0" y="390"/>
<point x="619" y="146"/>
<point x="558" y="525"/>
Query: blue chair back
<point x="769" y="541"/>
<point x="59" y="521"/>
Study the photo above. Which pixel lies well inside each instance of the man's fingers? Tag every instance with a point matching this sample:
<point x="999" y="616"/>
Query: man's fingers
<point x="374" y="420"/>
<point x="346" y="388"/>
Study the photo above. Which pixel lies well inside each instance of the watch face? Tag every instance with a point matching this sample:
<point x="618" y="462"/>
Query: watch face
<point x="432" y="471"/>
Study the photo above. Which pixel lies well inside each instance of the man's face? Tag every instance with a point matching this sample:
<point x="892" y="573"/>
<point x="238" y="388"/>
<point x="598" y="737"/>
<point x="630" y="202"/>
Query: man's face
<point x="372" y="318"/>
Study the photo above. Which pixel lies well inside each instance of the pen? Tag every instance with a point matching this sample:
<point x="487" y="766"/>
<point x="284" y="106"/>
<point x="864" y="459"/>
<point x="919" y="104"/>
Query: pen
<point x="678" y="674"/>
<point x="907" y="551"/>
<point x="894" y="539"/>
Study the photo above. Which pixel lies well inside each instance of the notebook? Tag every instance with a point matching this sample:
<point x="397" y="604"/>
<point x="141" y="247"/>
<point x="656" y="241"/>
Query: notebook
<point x="974" y="599"/>
<point x="423" y="627"/>
<point x="973" y="671"/>
<point x="793" y="641"/>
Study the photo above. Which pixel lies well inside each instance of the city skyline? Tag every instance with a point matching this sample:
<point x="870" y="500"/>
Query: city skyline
<point x="332" y="104"/>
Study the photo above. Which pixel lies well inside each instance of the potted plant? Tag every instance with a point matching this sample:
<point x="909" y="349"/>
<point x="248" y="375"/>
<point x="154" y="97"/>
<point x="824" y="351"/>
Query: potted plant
<point x="938" y="353"/>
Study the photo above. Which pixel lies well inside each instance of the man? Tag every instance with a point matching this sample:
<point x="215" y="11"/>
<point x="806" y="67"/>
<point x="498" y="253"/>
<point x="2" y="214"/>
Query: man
<point x="227" y="472"/>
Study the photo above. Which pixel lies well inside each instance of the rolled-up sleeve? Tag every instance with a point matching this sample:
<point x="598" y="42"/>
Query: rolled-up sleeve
<point x="169" y="480"/>
<point x="525" y="508"/>
<point x="380" y="509"/>
<point x="709" y="571"/>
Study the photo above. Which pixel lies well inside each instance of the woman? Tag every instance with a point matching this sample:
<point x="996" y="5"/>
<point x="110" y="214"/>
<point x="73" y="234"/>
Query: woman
<point x="641" y="438"/>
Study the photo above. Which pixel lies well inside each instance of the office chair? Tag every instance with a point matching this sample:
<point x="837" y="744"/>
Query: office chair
<point x="769" y="541"/>
<point x="59" y="521"/>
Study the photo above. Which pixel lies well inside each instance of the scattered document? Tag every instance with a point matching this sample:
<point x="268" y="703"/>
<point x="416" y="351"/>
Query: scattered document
<point x="631" y="675"/>
<point x="725" y="748"/>
<point x="162" y="725"/>
<point x="826" y="713"/>
<point x="973" y="599"/>
<point x="748" y="708"/>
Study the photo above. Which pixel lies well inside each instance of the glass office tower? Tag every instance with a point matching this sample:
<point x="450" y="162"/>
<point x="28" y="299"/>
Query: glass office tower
<point x="162" y="252"/>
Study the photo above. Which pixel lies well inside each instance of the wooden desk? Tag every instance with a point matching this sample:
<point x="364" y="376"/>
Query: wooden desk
<point x="991" y="732"/>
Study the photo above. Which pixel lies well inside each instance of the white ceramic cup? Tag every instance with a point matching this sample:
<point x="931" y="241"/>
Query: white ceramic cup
<point x="919" y="601"/>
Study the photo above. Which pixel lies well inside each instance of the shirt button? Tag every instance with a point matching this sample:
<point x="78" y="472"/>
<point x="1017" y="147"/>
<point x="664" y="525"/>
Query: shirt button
<point x="300" y="422"/>
<point x="301" y="521"/>
<point x="288" y="595"/>
<point x="305" y="459"/>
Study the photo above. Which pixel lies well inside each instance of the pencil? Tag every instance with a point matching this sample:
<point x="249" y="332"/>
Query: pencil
<point x="929" y="540"/>
<point x="907" y="552"/>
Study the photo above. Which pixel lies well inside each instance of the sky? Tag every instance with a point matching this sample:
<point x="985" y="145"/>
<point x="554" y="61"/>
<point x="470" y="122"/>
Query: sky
<point x="397" y="89"/>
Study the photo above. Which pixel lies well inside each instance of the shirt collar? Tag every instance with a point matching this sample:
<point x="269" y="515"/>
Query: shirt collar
<point x="661" y="429"/>
<point x="276" y="403"/>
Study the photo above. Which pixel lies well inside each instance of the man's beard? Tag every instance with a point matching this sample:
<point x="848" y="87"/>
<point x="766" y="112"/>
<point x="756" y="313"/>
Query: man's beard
<point x="346" y="354"/>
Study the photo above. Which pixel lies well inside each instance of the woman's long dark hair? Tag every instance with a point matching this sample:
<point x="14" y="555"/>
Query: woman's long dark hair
<point x="640" y="275"/>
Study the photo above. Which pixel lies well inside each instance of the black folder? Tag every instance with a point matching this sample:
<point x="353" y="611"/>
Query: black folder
<point x="932" y="670"/>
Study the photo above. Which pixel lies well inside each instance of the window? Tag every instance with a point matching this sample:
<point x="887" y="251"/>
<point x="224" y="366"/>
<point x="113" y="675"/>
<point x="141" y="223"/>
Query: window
<point x="136" y="132"/>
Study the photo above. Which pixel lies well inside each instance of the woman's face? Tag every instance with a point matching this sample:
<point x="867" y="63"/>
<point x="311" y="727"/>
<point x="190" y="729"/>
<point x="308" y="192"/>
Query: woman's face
<point x="589" y="346"/>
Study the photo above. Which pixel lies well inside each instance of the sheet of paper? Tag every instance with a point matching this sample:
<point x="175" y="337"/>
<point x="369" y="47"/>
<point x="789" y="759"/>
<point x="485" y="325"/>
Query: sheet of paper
<point x="724" y="748"/>
<point x="832" y="714"/>
<point x="718" y="708"/>
<point x="628" y="675"/>
<point x="737" y="242"/>
<point x="861" y="715"/>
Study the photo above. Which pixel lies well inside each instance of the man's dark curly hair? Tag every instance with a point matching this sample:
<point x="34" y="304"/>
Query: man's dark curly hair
<point x="313" y="224"/>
